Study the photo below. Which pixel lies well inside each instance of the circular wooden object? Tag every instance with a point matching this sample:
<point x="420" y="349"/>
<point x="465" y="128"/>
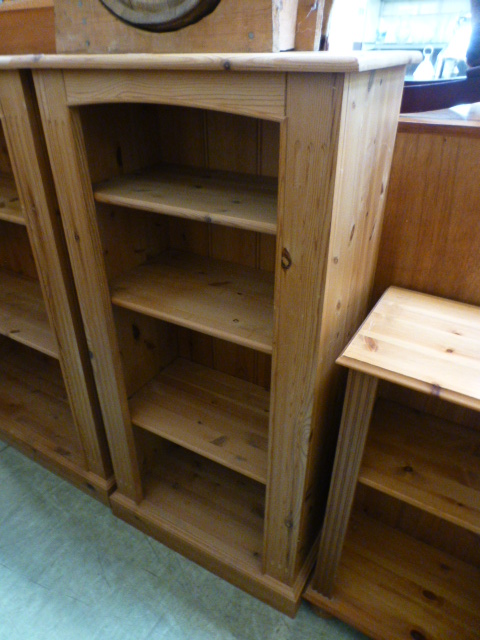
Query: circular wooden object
<point x="160" y="15"/>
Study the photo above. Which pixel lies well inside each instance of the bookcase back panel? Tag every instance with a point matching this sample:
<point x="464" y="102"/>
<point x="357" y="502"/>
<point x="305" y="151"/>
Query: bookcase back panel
<point x="15" y="252"/>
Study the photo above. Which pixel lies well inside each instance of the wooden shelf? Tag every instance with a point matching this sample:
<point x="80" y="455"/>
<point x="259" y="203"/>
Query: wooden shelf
<point x="426" y="461"/>
<point x="22" y="313"/>
<point x="392" y="586"/>
<point x="218" y="416"/>
<point x="218" y="298"/>
<point x="10" y="208"/>
<point x="245" y="202"/>
<point x="34" y="409"/>
<point x="422" y="342"/>
<point x="204" y="505"/>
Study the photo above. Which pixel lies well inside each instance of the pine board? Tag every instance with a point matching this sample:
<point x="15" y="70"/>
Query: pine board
<point x="23" y="315"/>
<point x="208" y="504"/>
<point x="218" y="416"/>
<point x="34" y="409"/>
<point x="218" y="298"/>
<point x="214" y="197"/>
<point x="422" y="342"/>
<point x="426" y="461"/>
<point x="391" y="586"/>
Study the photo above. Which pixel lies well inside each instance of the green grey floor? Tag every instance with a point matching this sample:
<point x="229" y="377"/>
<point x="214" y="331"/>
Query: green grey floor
<point x="69" y="570"/>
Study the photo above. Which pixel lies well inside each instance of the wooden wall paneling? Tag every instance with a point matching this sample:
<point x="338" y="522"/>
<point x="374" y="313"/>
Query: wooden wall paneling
<point x="27" y="26"/>
<point x="196" y="347"/>
<point x="189" y="235"/>
<point x="70" y="169"/>
<point x="269" y="148"/>
<point x="232" y="142"/>
<point x="33" y="178"/>
<point x="432" y="224"/>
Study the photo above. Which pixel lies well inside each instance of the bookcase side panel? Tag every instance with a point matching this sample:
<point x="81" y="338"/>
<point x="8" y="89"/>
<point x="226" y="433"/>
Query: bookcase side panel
<point x="69" y="165"/>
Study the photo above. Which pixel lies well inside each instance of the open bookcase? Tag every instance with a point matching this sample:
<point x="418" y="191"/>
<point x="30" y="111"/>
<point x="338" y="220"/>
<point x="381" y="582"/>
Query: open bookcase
<point x="222" y="219"/>
<point x="48" y="404"/>
<point x="406" y="564"/>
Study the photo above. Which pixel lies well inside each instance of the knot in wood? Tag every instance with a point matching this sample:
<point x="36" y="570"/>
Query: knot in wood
<point x="286" y="259"/>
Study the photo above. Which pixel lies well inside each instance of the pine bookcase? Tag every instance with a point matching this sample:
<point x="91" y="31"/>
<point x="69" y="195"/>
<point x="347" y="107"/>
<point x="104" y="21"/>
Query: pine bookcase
<point x="49" y="407"/>
<point x="222" y="215"/>
<point x="379" y="578"/>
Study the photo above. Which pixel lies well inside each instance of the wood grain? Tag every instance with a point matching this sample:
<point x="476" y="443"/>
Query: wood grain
<point x="34" y="405"/>
<point x="358" y="405"/>
<point x="308" y="152"/>
<point x="33" y="179"/>
<point x="70" y="171"/>
<point x="429" y="242"/>
<point x="261" y="95"/>
<point x="213" y="197"/>
<point x="323" y="179"/>
<point x="217" y="416"/>
<point x="10" y="209"/>
<point x="91" y="28"/>
<point x="295" y="62"/>
<point x="424" y="461"/>
<point x="23" y="316"/>
<point x="422" y="342"/>
<point x="27" y="26"/>
<point x="213" y="297"/>
<point x="391" y="586"/>
<point x="35" y="417"/>
<point x="213" y="516"/>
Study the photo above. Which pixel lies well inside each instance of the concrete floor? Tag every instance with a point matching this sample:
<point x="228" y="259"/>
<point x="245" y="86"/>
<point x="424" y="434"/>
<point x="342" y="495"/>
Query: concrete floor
<point x="69" y="570"/>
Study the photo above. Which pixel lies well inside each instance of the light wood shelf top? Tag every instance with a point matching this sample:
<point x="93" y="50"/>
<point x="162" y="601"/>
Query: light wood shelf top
<point x="221" y="299"/>
<point x="23" y="317"/>
<point x="425" y="461"/>
<point x="392" y="586"/>
<point x="317" y="61"/>
<point x="206" y="505"/>
<point x="245" y="202"/>
<point x="10" y="208"/>
<point x="34" y="409"/>
<point x="218" y="416"/>
<point x="421" y="342"/>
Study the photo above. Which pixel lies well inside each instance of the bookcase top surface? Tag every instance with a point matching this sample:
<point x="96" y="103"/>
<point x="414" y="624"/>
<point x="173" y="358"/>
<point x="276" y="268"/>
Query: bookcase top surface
<point x="423" y="342"/>
<point x="317" y="62"/>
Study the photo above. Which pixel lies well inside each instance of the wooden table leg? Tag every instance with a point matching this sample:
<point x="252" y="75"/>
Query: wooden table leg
<point x="357" y="410"/>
